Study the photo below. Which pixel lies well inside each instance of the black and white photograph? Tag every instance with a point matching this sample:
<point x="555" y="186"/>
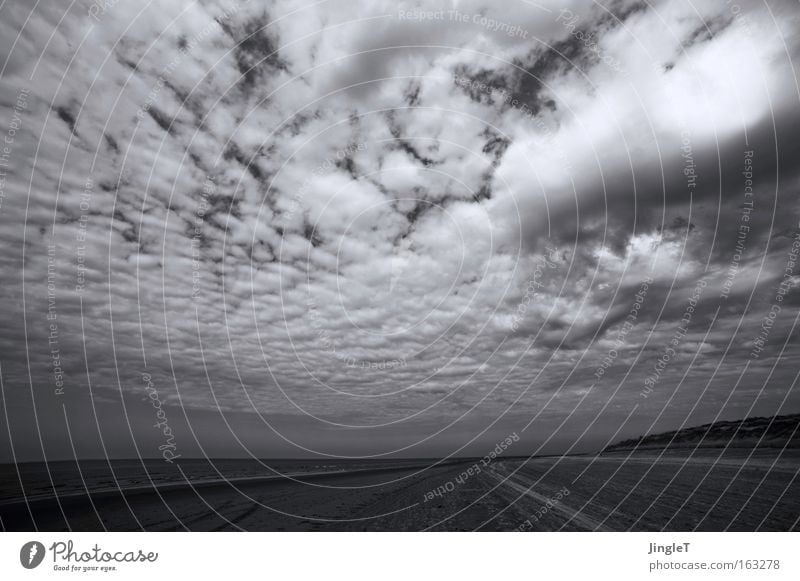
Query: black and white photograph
<point x="378" y="266"/>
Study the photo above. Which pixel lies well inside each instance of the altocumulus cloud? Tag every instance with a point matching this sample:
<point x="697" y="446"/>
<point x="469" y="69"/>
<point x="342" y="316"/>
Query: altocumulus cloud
<point x="344" y="214"/>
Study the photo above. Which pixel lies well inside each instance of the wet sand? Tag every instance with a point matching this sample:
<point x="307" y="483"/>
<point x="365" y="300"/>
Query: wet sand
<point x="705" y="490"/>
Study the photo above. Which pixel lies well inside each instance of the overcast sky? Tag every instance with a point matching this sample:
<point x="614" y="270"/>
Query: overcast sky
<point x="375" y="228"/>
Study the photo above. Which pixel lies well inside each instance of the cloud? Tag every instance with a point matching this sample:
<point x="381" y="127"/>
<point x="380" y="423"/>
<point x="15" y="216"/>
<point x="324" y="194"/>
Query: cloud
<point x="369" y="217"/>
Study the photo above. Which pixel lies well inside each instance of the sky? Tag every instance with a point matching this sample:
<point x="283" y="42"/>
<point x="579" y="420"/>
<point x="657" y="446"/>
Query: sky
<point x="376" y="229"/>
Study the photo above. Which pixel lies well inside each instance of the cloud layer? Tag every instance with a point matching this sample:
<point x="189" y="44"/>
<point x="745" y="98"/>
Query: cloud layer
<point x="402" y="219"/>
